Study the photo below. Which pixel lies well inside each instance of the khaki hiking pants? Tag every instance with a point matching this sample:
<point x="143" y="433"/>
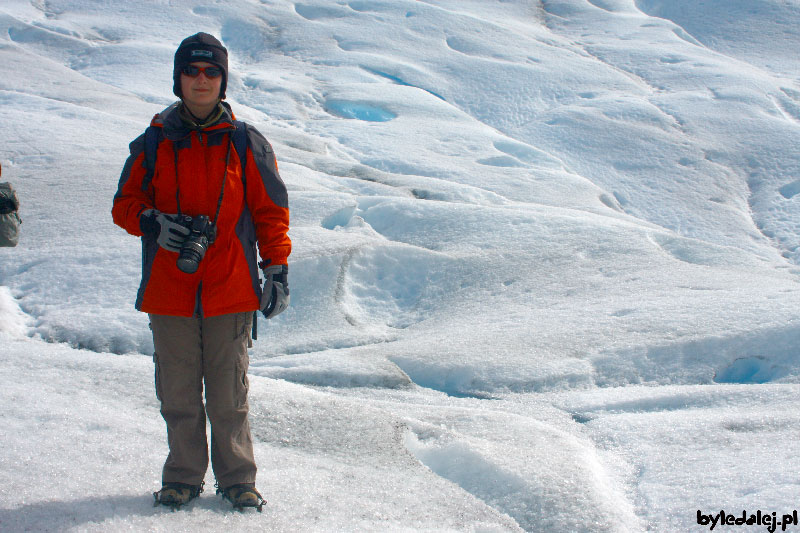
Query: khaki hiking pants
<point x="189" y="351"/>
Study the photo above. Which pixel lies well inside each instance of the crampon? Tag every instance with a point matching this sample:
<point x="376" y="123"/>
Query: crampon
<point x="243" y="495"/>
<point x="176" y="495"/>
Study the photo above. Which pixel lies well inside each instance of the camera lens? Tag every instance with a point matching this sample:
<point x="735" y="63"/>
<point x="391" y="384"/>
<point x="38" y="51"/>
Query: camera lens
<point x="194" y="247"/>
<point x="192" y="253"/>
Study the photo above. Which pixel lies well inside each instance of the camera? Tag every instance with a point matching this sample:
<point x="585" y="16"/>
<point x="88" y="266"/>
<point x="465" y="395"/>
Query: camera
<point x="202" y="233"/>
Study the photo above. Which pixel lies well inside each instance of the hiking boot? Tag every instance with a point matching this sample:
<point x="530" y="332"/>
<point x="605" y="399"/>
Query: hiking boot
<point x="176" y="494"/>
<point x="243" y="495"/>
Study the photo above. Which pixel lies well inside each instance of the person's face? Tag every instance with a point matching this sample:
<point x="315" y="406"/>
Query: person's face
<point x="200" y="92"/>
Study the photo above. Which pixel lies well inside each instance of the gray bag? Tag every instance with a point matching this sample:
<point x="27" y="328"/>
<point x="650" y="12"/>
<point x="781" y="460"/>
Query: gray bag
<point x="9" y="215"/>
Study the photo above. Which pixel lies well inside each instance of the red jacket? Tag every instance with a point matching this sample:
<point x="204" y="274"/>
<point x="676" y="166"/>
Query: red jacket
<point x="227" y="279"/>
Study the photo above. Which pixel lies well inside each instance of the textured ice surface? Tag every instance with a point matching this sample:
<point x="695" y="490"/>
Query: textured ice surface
<point x="545" y="267"/>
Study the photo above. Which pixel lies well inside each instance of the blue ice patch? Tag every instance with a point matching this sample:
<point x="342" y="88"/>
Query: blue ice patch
<point x="755" y="369"/>
<point x="359" y="110"/>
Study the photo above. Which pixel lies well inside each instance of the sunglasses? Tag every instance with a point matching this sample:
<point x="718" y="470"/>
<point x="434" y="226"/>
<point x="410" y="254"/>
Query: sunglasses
<point x="210" y="72"/>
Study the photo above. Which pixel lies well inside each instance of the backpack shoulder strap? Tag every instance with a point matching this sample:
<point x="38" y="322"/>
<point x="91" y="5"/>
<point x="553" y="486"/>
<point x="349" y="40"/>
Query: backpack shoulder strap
<point x="239" y="139"/>
<point x="240" y="144"/>
<point x="152" y="138"/>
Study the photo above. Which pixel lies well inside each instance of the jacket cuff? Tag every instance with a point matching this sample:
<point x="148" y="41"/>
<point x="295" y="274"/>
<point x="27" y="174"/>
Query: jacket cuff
<point x="148" y="224"/>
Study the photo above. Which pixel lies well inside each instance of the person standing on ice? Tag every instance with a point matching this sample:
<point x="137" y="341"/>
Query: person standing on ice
<point x="202" y="189"/>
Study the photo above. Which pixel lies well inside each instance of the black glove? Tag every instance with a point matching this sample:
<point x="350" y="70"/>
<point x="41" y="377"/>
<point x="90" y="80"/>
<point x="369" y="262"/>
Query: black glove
<point x="170" y="234"/>
<point x="275" y="296"/>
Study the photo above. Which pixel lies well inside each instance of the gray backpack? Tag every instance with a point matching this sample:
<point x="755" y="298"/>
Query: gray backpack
<point x="9" y="215"/>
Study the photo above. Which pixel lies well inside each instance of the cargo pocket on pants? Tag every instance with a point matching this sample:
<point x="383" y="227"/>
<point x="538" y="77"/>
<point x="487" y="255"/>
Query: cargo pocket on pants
<point x="243" y="327"/>
<point x="157" y="377"/>
<point x="244" y="323"/>
<point x="241" y="384"/>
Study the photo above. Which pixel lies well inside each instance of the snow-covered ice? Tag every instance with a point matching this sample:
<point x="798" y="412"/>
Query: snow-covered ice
<point x="545" y="275"/>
